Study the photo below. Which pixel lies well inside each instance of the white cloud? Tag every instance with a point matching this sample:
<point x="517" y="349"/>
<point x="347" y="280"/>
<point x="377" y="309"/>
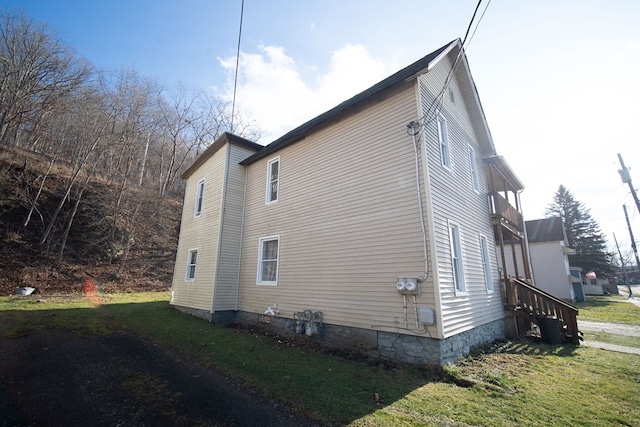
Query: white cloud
<point x="271" y="89"/>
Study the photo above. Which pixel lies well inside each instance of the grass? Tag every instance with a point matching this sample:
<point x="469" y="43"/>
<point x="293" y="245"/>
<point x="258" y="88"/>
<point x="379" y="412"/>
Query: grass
<point x="511" y="384"/>
<point x="612" y="339"/>
<point x="610" y="308"/>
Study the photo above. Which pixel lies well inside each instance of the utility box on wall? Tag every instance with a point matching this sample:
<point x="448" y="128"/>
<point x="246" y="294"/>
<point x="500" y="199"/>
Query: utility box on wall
<point x="407" y="286"/>
<point x="426" y="315"/>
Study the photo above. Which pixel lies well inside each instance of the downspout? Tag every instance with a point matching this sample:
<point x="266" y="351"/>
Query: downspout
<point x="411" y="128"/>
<point x="425" y="167"/>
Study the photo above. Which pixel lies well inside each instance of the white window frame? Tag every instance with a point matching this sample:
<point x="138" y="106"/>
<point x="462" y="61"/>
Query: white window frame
<point x="269" y="199"/>
<point x="443" y="140"/>
<point x="473" y="168"/>
<point x="261" y="260"/>
<point x="192" y="267"/>
<point x="457" y="262"/>
<point x="197" y="210"/>
<point x="486" y="263"/>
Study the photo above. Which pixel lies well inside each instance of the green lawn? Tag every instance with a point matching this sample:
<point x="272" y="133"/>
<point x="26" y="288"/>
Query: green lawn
<point x="610" y="308"/>
<point x="512" y="384"/>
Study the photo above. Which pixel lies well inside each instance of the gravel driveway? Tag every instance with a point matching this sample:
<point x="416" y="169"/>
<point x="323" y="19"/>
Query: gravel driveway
<point x="53" y="378"/>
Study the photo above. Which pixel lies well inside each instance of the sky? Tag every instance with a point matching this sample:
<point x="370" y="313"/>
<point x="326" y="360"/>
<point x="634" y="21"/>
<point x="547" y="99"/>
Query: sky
<point x="558" y="80"/>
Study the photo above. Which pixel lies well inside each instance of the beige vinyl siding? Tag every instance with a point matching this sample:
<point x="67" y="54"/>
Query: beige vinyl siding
<point x="454" y="199"/>
<point x="200" y="233"/>
<point x="229" y="259"/>
<point x="348" y="221"/>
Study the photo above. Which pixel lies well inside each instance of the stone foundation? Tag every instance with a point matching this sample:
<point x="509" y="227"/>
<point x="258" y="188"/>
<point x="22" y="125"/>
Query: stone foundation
<point x="412" y="349"/>
<point x="419" y="350"/>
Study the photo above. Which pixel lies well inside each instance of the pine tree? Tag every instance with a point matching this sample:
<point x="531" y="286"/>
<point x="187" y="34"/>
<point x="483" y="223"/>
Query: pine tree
<point x="583" y="234"/>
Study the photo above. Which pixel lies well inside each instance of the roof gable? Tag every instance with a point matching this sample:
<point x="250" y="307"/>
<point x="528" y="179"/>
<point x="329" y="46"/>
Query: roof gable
<point x="225" y="138"/>
<point x="545" y="230"/>
<point x="473" y="104"/>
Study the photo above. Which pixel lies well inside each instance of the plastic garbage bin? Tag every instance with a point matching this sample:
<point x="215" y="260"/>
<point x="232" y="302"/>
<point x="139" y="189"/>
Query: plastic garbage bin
<point x="550" y="329"/>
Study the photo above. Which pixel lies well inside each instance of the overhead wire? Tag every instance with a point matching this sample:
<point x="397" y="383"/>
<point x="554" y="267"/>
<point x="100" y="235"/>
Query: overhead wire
<point x="436" y="103"/>
<point x="414" y="129"/>
<point x="235" y="80"/>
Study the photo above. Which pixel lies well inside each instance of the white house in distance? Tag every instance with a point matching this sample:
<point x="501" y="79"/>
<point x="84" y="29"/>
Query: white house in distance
<point x="549" y="250"/>
<point x="368" y="227"/>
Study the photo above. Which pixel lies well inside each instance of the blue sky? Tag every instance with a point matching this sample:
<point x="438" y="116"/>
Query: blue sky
<point x="558" y="80"/>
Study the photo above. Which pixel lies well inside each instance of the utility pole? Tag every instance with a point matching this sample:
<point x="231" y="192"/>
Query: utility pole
<point x="624" y="269"/>
<point x="633" y="241"/>
<point x="626" y="178"/>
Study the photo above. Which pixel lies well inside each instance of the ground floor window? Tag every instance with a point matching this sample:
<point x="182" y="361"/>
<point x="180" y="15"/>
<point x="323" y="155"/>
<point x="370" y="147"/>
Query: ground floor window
<point x="268" y="255"/>
<point x="486" y="263"/>
<point x="192" y="261"/>
<point x="456" y="259"/>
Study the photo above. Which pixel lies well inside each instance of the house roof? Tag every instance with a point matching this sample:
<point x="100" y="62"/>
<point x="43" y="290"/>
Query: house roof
<point x="312" y="125"/>
<point x="545" y="230"/>
<point x="512" y="183"/>
<point x="225" y="138"/>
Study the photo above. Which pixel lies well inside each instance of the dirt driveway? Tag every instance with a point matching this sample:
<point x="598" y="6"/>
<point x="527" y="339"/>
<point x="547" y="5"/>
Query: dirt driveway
<point x="56" y="378"/>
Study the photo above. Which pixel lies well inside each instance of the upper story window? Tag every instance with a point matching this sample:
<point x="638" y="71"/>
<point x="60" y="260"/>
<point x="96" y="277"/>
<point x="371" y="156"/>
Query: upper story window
<point x="268" y="254"/>
<point x="192" y="262"/>
<point x="273" y="180"/>
<point x="486" y="264"/>
<point x="473" y="169"/>
<point x="443" y="139"/>
<point x="456" y="259"/>
<point x="199" y="193"/>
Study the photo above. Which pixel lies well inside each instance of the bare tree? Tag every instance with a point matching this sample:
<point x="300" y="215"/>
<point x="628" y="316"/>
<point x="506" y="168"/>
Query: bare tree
<point x="36" y="68"/>
<point x="87" y="131"/>
<point x="178" y="118"/>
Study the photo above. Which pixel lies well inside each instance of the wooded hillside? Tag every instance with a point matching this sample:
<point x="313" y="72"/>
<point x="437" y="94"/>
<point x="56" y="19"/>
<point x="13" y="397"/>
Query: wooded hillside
<point x="90" y="164"/>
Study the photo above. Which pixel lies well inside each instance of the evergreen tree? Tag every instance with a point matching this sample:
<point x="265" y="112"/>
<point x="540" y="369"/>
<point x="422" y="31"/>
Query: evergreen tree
<point x="583" y="234"/>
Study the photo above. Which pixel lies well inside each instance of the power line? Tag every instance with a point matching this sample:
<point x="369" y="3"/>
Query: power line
<point x="437" y="100"/>
<point x="235" y="80"/>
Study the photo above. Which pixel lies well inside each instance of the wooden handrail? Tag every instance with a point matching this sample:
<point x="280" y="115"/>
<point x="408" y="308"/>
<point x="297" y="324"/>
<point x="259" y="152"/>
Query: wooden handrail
<point x="521" y="295"/>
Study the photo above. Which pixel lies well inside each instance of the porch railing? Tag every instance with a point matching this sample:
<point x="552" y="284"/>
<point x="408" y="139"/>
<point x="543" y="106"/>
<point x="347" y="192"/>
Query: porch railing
<point x="501" y="207"/>
<point x="537" y="303"/>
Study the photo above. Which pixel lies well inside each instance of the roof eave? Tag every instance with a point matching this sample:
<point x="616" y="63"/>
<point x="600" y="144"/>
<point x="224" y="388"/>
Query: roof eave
<point x="225" y="138"/>
<point x="406" y="74"/>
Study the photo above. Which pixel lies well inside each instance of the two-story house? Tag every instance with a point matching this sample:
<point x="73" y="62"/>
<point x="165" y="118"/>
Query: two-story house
<point x="368" y="227"/>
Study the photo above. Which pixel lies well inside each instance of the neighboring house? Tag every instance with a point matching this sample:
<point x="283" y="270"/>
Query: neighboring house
<point x="576" y="282"/>
<point x="549" y="251"/>
<point x="597" y="286"/>
<point x="368" y="227"/>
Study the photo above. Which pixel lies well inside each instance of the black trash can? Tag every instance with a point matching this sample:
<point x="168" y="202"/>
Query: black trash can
<point x="550" y="329"/>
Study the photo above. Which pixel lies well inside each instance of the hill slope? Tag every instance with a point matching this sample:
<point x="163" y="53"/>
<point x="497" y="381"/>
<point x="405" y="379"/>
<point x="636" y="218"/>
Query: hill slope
<point x="127" y="243"/>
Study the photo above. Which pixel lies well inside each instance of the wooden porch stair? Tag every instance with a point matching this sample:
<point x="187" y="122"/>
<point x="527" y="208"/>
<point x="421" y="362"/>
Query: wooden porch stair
<point x="525" y="303"/>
